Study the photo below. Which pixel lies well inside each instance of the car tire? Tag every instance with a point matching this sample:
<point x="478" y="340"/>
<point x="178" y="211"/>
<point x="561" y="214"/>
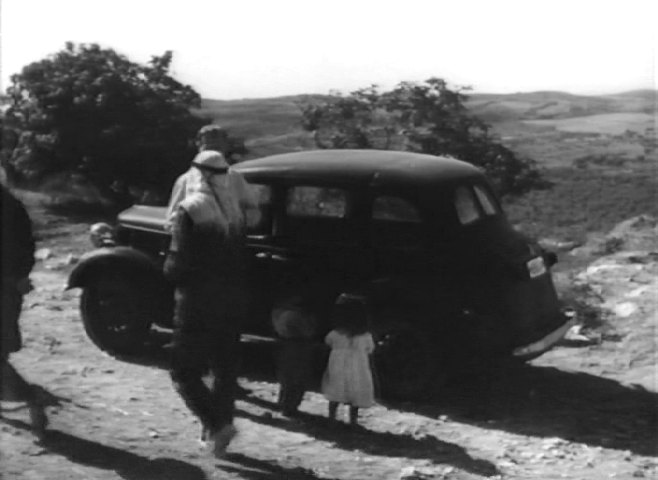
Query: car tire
<point x="117" y="314"/>
<point x="403" y="367"/>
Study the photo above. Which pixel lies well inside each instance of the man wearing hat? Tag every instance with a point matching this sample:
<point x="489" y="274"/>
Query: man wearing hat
<point x="207" y="264"/>
<point x="209" y="138"/>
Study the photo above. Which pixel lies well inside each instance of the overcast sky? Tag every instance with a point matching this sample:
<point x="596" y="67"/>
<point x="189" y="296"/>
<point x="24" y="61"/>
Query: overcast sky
<point x="262" y="48"/>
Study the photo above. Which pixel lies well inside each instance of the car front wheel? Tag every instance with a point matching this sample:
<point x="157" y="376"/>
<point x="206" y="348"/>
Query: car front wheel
<point x="116" y="314"/>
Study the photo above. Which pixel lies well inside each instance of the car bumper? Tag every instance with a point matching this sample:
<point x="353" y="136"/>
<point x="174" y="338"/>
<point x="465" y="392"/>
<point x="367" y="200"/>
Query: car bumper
<point x="540" y="346"/>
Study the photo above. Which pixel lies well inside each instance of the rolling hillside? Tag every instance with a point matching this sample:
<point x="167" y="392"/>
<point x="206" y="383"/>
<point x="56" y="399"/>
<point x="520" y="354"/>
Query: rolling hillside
<point x="528" y="121"/>
<point x="600" y="151"/>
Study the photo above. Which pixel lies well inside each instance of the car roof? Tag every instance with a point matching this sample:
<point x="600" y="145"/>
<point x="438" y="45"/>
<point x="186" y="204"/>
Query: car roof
<point x="375" y="168"/>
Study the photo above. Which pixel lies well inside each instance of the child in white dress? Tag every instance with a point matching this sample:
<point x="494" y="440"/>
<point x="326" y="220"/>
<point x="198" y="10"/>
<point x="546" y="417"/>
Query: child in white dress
<point x="348" y="378"/>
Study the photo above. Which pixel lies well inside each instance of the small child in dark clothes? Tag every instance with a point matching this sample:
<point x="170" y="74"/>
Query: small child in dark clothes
<point x="295" y="326"/>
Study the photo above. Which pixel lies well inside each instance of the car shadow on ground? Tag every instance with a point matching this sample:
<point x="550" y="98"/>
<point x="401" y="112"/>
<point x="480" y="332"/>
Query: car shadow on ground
<point x="549" y="402"/>
<point x="128" y="465"/>
<point x="528" y="400"/>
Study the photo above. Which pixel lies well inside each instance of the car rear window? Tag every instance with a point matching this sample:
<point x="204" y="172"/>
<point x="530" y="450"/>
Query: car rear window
<point x="466" y="205"/>
<point x="489" y="205"/>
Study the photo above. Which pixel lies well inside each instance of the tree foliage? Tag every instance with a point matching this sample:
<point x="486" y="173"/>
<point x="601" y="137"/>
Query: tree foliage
<point x="423" y="117"/>
<point x="90" y="110"/>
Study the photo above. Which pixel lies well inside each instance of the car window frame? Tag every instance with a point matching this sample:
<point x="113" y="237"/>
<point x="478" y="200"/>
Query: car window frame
<point x="490" y="197"/>
<point x="264" y="228"/>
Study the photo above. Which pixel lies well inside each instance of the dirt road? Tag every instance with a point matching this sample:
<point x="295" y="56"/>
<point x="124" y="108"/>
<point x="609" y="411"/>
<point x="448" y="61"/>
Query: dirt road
<point x="581" y="413"/>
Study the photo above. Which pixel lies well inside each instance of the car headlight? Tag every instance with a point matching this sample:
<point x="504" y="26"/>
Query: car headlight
<point x="102" y="235"/>
<point x="536" y="267"/>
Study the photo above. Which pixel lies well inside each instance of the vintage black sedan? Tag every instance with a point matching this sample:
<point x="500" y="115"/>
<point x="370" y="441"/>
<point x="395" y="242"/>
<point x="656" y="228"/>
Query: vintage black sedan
<point x="449" y="282"/>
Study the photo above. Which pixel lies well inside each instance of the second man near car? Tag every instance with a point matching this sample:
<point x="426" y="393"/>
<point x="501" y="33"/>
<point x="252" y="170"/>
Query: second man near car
<point x="207" y="264"/>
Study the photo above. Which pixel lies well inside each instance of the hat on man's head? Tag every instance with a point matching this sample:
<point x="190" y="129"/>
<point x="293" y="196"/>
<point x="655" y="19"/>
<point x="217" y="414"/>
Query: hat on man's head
<point x="210" y="134"/>
<point x="210" y="160"/>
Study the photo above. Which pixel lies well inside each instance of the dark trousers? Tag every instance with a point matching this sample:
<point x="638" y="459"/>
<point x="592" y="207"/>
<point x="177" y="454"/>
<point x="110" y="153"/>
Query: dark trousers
<point x="295" y="357"/>
<point x="10" y="311"/>
<point x="13" y="387"/>
<point x="206" y="339"/>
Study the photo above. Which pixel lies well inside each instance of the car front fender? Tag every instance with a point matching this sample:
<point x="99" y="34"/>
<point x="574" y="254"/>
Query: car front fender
<point x="111" y="260"/>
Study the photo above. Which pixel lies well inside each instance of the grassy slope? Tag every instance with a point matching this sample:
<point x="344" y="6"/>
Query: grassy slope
<point x="615" y="177"/>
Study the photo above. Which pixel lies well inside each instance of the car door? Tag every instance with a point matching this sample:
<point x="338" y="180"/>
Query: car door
<point x="399" y="241"/>
<point x="260" y="244"/>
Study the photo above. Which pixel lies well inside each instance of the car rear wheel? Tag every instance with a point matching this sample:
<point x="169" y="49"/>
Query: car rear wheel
<point x="402" y="362"/>
<point x="117" y="314"/>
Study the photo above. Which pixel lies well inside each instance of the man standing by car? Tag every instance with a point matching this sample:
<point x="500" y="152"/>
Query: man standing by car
<point x="17" y="262"/>
<point x="207" y="264"/>
<point x="209" y="138"/>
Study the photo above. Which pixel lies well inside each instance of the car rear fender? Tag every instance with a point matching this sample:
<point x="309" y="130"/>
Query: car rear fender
<point x="113" y="260"/>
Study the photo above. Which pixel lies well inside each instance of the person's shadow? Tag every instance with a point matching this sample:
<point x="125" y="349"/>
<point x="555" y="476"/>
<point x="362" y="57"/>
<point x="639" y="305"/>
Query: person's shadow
<point x="252" y="469"/>
<point x="528" y="400"/>
<point x="131" y="466"/>
<point x="372" y="442"/>
<point x="128" y="465"/>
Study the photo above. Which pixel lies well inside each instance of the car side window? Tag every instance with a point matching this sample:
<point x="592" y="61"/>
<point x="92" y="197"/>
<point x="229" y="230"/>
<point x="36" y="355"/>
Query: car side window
<point x="317" y="216"/>
<point x="309" y="201"/>
<point x="466" y="205"/>
<point x="263" y="194"/>
<point x="396" y="223"/>
<point x="489" y="205"/>
<point x="394" y="209"/>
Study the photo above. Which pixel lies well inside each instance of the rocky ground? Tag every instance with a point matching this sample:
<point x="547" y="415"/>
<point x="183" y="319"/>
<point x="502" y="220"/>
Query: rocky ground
<point x="586" y="410"/>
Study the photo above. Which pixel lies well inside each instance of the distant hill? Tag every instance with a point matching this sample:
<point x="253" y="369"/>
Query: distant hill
<point x="272" y="125"/>
<point x="552" y="105"/>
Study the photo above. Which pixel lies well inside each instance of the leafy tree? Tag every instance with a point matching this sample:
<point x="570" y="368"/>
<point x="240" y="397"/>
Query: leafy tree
<point x="91" y="111"/>
<point x="428" y="118"/>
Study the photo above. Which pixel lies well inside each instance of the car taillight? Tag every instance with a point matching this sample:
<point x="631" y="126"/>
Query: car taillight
<point x="536" y="267"/>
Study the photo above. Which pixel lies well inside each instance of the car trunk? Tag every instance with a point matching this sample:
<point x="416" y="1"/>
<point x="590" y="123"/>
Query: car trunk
<point x="516" y="285"/>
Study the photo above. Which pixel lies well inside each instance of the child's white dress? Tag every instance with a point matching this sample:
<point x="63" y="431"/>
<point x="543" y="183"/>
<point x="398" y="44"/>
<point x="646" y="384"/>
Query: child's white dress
<point x="348" y="378"/>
